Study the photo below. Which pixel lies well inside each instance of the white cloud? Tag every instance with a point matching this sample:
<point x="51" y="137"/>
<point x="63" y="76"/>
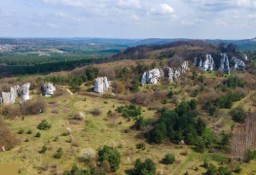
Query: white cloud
<point x="74" y="3"/>
<point x="246" y="3"/>
<point x="162" y="9"/>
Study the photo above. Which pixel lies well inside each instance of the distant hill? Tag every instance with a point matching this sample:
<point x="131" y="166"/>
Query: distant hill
<point x="242" y="45"/>
<point x="184" y="48"/>
<point x="155" y="41"/>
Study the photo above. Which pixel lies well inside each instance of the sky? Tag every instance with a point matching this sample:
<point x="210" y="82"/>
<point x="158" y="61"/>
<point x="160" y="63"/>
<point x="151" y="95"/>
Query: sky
<point x="137" y="19"/>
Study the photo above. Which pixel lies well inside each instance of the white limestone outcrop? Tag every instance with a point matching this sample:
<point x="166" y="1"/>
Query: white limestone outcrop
<point x="48" y="89"/>
<point x="151" y="76"/>
<point x="101" y="85"/>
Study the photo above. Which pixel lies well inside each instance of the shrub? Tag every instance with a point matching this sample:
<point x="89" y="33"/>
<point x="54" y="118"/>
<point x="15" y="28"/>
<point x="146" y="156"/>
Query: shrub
<point x="111" y="155"/>
<point x="238" y="115"/>
<point x="38" y="134"/>
<point x="147" y="167"/>
<point x="76" y="171"/>
<point x="7" y="139"/>
<point x="21" y="131"/>
<point x="96" y="112"/>
<point x="135" y="86"/>
<point x="91" y="72"/>
<point x="29" y="131"/>
<point x="33" y="107"/>
<point x="179" y="124"/>
<point x="11" y="111"/>
<point x="226" y="101"/>
<point x="43" y="150"/>
<point x="250" y="155"/>
<point x="141" y="146"/>
<point x="141" y="123"/>
<point x="168" y="159"/>
<point x="130" y="111"/>
<point x="233" y="82"/>
<point x="118" y="87"/>
<point x="141" y="98"/>
<point x="44" y="125"/>
<point x="58" y="154"/>
<point x="238" y="169"/>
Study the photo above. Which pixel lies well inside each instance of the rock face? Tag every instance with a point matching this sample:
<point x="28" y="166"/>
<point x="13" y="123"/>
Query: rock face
<point x="9" y="97"/>
<point x="15" y="92"/>
<point x="175" y="73"/>
<point x="220" y="62"/>
<point x="152" y="76"/>
<point x="48" y="89"/>
<point x="23" y="92"/>
<point x="101" y="85"/>
<point x="224" y="63"/>
<point x="205" y="64"/>
<point x="237" y="64"/>
<point x="245" y="57"/>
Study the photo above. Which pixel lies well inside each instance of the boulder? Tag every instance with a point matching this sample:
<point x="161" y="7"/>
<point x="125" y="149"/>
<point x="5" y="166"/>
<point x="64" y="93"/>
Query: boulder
<point x="23" y="92"/>
<point x="79" y="116"/>
<point x="48" y="89"/>
<point x="151" y="76"/>
<point x="237" y="64"/>
<point x="101" y="85"/>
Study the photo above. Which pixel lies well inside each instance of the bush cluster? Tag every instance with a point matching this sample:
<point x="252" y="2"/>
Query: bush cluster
<point x="7" y="139"/>
<point x="147" y="167"/>
<point x="44" y="125"/>
<point x="225" y="101"/>
<point x="111" y="156"/>
<point x="131" y="111"/>
<point x="238" y="115"/>
<point x="31" y="107"/>
<point x="179" y="124"/>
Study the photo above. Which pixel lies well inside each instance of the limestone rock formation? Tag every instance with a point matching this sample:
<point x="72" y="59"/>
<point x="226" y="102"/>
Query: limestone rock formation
<point x="101" y="85"/>
<point x="9" y="97"/>
<point x="151" y="76"/>
<point x="220" y="62"/>
<point x="23" y="92"/>
<point x="175" y="73"/>
<point x="205" y="64"/>
<point x="245" y="57"/>
<point x="6" y="98"/>
<point x="170" y="74"/>
<point x="237" y="64"/>
<point x="48" y="89"/>
<point x="224" y="63"/>
<point x="15" y="92"/>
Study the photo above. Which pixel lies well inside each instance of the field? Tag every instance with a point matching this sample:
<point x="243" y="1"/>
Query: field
<point x="94" y="132"/>
<point x="202" y="102"/>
